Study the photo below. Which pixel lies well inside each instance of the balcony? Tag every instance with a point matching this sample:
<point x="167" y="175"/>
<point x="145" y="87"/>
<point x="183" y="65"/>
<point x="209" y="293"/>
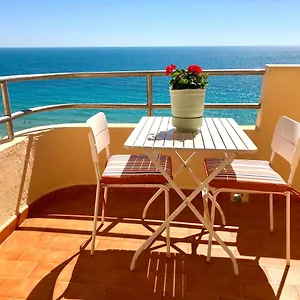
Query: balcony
<point x="48" y="257"/>
<point x="47" y="189"/>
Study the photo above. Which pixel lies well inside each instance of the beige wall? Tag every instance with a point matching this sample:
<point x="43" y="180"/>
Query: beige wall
<point x="280" y="96"/>
<point x="63" y="159"/>
<point x="61" y="155"/>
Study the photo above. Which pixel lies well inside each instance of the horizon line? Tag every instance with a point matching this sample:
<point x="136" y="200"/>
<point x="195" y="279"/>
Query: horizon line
<point x="16" y="47"/>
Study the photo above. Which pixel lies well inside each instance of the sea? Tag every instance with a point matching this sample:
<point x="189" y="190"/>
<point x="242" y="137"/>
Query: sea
<point x="221" y="89"/>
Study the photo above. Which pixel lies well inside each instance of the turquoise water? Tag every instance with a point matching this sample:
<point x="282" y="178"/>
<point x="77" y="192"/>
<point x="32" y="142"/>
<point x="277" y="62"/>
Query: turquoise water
<point x="24" y="95"/>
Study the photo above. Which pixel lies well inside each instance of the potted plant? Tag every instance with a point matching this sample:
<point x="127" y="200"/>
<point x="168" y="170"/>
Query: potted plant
<point x="187" y="92"/>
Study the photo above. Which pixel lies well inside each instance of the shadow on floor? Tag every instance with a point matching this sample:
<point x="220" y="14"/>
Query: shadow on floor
<point x="106" y="275"/>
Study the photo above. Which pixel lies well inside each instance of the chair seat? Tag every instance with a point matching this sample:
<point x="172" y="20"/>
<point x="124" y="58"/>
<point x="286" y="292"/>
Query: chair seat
<point x="135" y="169"/>
<point x="241" y="174"/>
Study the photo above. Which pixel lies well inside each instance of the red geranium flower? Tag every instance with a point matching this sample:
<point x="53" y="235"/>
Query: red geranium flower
<point x="190" y="78"/>
<point x="170" y="69"/>
<point x="194" y="69"/>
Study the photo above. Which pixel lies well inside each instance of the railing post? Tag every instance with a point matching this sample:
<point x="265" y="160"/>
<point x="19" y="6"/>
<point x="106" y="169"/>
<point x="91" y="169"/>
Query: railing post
<point x="261" y="97"/>
<point x="7" y="111"/>
<point x="149" y="95"/>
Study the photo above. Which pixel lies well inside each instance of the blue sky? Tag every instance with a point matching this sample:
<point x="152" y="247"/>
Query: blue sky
<point x="85" y="23"/>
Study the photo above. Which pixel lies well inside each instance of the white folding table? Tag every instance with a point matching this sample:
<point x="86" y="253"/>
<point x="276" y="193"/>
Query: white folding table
<point x="219" y="135"/>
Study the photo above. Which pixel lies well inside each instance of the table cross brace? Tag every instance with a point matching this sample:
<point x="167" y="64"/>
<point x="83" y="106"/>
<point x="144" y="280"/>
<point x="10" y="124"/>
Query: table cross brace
<point x="187" y="201"/>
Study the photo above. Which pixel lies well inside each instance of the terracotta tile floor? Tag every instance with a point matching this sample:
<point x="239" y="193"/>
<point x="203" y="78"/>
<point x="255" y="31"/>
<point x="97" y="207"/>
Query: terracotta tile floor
<point x="48" y="256"/>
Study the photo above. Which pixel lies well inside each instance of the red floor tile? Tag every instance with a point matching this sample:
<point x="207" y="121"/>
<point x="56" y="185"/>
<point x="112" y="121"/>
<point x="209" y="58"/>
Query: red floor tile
<point x="35" y="223"/>
<point x="288" y="275"/>
<point x="64" y="290"/>
<point x="113" y="293"/>
<point x="16" y="269"/>
<point x="45" y="255"/>
<point x="286" y="292"/>
<point x="200" y="285"/>
<point x="229" y="298"/>
<point x="229" y="287"/>
<point x="63" y="242"/>
<point x="42" y="270"/>
<point x="251" y="272"/>
<point x="31" y="239"/>
<point x="257" y="290"/>
<point x="56" y="272"/>
<point x="25" y="288"/>
<point x="11" y="253"/>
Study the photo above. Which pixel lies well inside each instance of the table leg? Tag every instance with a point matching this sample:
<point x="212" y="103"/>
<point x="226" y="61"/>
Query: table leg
<point x="186" y="202"/>
<point x="157" y="232"/>
<point x="185" y="164"/>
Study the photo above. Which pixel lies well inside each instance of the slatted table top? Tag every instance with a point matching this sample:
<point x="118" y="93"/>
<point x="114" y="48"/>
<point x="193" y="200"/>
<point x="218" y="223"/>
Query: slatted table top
<point x="219" y="134"/>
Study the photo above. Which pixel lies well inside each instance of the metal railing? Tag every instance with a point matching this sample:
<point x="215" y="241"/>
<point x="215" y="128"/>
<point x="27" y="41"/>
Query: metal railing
<point x="149" y="106"/>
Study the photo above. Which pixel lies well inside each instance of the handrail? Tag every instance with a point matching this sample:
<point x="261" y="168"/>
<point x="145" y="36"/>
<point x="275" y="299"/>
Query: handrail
<point x="38" y="109"/>
<point x="17" y="78"/>
<point x="149" y="106"/>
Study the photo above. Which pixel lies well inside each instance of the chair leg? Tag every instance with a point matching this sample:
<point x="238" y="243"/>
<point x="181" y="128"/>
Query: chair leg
<point x="205" y="192"/>
<point x="150" y="202"/>
<point x="288" y="228"/>
<point x="218" y="207"/>
<point x="96" y="211"/>
<point x="212" y="217"/>
<point x="271" y="213"/>
<point x="104" y="205"/>
<point x="167" y="214"/>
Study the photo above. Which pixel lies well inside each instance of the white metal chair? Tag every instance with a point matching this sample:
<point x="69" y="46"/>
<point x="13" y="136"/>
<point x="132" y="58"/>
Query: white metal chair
<point x="126" y="171"/>
<point x="256" y="176"/>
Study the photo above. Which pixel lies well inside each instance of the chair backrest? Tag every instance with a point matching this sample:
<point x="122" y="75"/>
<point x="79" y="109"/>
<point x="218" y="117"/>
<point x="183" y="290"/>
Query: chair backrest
<point x="99" y="135"/>
<point x="286" y="142"/>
